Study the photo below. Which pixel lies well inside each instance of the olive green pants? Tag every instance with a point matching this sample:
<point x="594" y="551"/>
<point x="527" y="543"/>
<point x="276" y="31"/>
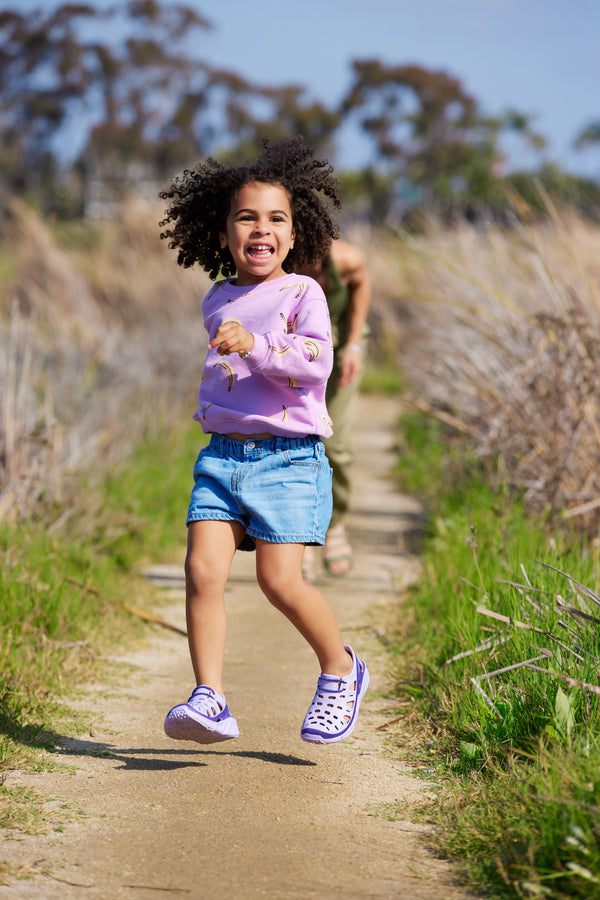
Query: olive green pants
<point x="339" y="446"/>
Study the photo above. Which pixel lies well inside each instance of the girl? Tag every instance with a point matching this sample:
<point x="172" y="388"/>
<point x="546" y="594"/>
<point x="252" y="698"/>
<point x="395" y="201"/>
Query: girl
<point x="264" y="482"/>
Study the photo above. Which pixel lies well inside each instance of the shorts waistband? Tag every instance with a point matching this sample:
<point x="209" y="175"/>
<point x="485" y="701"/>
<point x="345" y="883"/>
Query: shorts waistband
<point x="277" y="444"/>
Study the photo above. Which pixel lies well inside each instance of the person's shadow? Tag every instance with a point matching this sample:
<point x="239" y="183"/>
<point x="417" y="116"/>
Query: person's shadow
<point x="147" y="759"/>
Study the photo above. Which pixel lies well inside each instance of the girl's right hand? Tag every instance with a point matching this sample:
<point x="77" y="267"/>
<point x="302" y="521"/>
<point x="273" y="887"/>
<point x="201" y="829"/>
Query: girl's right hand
<point x="232" y="337"/>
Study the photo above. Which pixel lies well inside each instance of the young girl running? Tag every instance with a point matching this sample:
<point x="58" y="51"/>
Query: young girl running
<point x="264" y="482"/>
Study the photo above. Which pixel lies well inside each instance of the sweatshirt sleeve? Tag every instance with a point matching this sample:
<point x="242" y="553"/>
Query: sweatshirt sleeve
<point x="303" y="350"/>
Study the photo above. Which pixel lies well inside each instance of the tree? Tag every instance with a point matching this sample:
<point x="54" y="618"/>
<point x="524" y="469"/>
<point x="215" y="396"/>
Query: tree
<point x="429" y="132"/>
<point x="136" y="93"/>
<point x="419" y="120"/>
<point x="589" y="136"/>
<point x="254" y="112"/>
<point x="144" y="102"/>
<point x="44" y="76"/>
<point x="150" y="94"/>
<point x="124" y="94"/>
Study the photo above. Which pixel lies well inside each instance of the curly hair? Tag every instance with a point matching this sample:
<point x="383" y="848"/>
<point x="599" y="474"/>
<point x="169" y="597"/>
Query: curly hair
<point x="200" y="201"/>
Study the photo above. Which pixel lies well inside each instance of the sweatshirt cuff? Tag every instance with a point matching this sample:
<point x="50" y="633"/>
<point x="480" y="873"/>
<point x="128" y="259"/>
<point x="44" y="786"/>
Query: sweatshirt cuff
<point x="259" y="351"/>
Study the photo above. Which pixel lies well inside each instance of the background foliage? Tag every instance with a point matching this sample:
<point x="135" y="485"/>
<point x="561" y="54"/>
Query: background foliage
<point x="131" y="80"/>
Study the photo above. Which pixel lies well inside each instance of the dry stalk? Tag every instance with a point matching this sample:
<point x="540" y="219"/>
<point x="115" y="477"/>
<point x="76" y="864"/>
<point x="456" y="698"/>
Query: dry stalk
<point x="578" y="650"/>
<point x="504" y="346"/>
<point x="570" y="682"/>
<point x="98" y="346"/>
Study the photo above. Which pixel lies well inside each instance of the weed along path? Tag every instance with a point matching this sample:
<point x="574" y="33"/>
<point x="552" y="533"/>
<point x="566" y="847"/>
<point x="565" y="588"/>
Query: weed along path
<point x="266" y="815"/>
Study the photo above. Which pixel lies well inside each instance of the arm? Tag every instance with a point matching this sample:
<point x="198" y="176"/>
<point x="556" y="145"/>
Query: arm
<point x="352" y="266"/>
<point x="302" y="354"/>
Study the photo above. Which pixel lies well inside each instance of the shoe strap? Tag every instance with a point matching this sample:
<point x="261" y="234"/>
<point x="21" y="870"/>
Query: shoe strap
<point x="335" y="683"/>
<point x="204" y="699"/>
<point x="340" y="682"/>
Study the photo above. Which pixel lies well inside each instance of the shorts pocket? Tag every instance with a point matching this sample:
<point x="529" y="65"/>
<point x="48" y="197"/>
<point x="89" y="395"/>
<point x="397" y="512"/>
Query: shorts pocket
<point x="205" y="463"/>
<point x="308" y="456"/>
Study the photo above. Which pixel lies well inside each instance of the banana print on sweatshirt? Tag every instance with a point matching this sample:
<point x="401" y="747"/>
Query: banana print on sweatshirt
<point x="280" y="387"/>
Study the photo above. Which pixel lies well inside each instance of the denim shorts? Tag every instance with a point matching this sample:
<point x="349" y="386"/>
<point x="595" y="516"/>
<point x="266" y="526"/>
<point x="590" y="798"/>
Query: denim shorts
<point x="279" y="489"/>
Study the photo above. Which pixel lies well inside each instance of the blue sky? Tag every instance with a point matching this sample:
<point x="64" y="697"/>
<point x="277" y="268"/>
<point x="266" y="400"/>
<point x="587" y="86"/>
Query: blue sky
<point x="541" y="57"/>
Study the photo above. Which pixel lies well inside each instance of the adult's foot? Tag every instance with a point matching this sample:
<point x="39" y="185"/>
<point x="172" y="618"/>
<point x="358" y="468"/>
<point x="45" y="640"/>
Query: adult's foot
<point x="337" y="552"/>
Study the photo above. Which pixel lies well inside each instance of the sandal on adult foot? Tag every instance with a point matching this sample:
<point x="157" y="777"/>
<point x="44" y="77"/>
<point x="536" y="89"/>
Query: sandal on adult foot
<point x="309" y="565"/>
<point x="333" y="712"/>
<point x="205" y="718"/>
<point x="337" y="552"/>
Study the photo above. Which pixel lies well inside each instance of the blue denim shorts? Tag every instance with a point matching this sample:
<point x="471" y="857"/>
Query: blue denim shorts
<point x="279" y="489"/>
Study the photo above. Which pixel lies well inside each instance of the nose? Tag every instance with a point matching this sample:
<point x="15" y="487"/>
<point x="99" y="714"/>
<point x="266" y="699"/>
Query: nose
<point x="261" y="226"/>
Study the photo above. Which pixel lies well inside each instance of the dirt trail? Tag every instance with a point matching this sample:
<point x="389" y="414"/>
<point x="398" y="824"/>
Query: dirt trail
<point x="266" y="815"/>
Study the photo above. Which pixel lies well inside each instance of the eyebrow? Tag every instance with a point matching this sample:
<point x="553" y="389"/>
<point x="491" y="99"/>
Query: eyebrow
<point x="272" y="212"/>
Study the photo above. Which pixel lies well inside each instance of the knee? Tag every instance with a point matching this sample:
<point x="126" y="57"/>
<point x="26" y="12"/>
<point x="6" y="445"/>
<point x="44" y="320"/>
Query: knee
<point x="278" y="589"/>
<point x="199" y="573"/>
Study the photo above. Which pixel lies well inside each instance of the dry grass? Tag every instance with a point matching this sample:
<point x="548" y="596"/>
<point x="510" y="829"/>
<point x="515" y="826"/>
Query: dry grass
<point x="498" y="331"/>
<point x="101" y="342"/>
<point x="504" y="343"/>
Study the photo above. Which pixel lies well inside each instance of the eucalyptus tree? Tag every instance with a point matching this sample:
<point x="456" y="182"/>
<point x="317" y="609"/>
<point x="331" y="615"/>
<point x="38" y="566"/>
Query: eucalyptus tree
<point x="253" y="112"/>
<point x="45" y="75"/>
<point x="101" y="90"/>
<point x="429" y="134"/>
<point x="123" y="94"/>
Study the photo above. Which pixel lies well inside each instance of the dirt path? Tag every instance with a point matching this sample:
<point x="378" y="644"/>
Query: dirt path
<point x="266" y="815"/>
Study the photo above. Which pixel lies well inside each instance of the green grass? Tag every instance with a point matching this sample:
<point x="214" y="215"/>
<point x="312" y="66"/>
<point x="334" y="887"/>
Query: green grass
<point x="25" y="810"/>
<point x="527" y="823"/>
<point x="8" y="268"/>
<point x="75" y="235"/>
<point x="520" y="794"/>
<point x="144" y="501"/>
<point x="384" y="378"/>
<point x="62" y="608"/>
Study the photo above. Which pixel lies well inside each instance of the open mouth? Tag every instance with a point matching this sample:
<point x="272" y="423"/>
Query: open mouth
<point x="260" y="251"/>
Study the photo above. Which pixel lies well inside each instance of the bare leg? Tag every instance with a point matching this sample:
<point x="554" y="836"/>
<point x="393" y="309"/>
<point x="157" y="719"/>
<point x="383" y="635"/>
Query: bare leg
<point x="279" y="573"/>
<point x="211" y="547"/>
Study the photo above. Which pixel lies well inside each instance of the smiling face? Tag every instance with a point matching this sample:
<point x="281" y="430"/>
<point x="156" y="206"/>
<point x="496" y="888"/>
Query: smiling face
<point x="259" y="232"/>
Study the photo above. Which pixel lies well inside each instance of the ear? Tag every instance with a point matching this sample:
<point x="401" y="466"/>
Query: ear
<point x="222" y="239"/>
<point x="293" y="238"/>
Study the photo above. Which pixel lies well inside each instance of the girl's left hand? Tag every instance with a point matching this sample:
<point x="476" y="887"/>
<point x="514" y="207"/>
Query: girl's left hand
<point x="232" y="337"/>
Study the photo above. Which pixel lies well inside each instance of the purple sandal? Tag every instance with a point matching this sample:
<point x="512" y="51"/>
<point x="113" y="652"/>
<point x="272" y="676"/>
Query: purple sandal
<point x="205" y="718"/>
<point x="333" y="712"/>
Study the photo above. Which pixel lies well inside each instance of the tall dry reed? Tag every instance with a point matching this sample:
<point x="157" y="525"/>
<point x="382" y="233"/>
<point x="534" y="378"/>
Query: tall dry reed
<point x="503" y="342"/>
<point x="101" y="343"/>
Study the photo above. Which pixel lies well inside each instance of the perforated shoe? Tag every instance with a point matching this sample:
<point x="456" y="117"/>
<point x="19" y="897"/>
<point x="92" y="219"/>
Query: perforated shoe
<point x="333" y="712"/>
<point x="205" y="718"/>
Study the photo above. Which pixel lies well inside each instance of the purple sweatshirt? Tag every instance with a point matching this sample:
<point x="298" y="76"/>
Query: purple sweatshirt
<point x="279" y="388"/>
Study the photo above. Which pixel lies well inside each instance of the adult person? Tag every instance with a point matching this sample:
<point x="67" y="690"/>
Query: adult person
<point x="345" y="280"/>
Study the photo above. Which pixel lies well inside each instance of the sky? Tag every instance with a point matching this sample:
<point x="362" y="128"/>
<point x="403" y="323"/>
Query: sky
<point x="541" y="57"/>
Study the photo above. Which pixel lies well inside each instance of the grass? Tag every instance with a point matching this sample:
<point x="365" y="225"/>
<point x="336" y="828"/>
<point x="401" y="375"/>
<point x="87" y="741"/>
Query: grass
<point x="25" y="810"/>
<point x="62" y="612"/>
<point x="101" y="343"/>
<point x="503" y="341"/>
<point x="143" y="500"/>
<point x="517" y="752"/>
<point x="383" y="379"/>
